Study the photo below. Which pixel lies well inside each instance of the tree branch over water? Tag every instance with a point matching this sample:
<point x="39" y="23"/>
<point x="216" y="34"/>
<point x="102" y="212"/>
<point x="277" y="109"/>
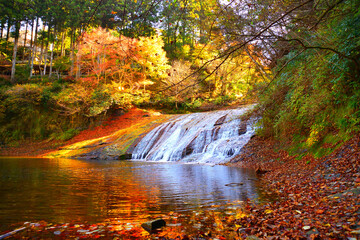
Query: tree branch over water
<point x="226" y="55"/>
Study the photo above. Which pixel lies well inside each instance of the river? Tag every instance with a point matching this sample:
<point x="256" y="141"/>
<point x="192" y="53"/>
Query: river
<point x="67" y="190"/>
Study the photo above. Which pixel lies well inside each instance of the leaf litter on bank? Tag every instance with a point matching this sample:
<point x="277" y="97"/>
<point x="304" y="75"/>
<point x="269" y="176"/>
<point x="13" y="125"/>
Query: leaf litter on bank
<point x="318" y="198"/>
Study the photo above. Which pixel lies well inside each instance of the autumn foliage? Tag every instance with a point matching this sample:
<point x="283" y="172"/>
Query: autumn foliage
<point x="103" y="57"/>
<point x="112" y="71"/>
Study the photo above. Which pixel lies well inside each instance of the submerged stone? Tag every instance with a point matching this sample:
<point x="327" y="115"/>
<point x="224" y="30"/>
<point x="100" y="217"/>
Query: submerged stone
<point x="151" y="226"/>
<point x="234" y="184"/>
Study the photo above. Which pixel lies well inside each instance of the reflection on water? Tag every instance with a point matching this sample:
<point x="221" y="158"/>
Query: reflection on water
<point x="63" y="190"/>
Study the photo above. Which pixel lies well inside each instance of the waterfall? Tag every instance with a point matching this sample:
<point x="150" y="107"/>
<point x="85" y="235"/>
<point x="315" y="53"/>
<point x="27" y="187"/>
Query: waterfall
<point x="210" y="137"/>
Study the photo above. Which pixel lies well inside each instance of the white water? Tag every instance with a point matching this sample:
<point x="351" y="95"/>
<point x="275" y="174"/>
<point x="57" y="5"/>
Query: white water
<point x="211" y="137"/>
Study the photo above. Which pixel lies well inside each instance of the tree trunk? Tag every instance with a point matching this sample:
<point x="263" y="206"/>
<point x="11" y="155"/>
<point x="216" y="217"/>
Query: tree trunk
<point x="72" y="54"/>
<point x="41" y="56"/>
<point x="33" y="53"/>
<point x="17" y="29"/>
<point x="177" y="96"/>
<point x="25" y="37"/>
<point x="183" y="33"/>
<point x="32" y="33"/>
<point x="34" y="48"/>
<point x="175" y="34"/>
<point x="78" y="66"/>
<point x="52" y="52"/>
<point x="202" y="18"/>
<point x="62" y="51"/>
<point x="8" y="29"/>
<point x="31" y="41"/>
<point x="46" y="49"/>
<point x="2" y="28"/>
<point x="51" y="59"/>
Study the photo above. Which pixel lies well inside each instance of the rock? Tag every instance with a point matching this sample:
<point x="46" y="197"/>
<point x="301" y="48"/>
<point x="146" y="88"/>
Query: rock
<point x="220" y="121"/>
<point x="95" y="145"/>
<point x="306" y="227"/>
<point x="230" y="152"/>
<point x="118" y="112"/>
<point x="313" y="231"/>
<point x="126" y="156"/>
<point x="252" y="238"/>
<point x="234" y="184"/>
<point x="356" y="232"/>
<point x="153" y="225"/>
<point x="260" y="171"/>
<point x="349" y="192"/>
<point x="242" y="128"/>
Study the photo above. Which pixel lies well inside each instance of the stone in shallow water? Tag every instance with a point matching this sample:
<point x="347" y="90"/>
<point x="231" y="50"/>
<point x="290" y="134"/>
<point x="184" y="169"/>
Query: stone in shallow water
<point x="220" y="121"/>
<point x="126" y="156"/>
<point x="234" y="184"/>
<point x="151" y="226"/>
<point x="242" y="128"/>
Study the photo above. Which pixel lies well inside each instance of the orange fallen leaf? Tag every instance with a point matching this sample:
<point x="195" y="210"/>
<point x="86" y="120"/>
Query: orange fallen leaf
<point x="319" y="211"/>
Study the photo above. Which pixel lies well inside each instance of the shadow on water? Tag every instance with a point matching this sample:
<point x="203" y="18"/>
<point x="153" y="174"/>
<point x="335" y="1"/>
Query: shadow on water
<point x="65" y="190"/>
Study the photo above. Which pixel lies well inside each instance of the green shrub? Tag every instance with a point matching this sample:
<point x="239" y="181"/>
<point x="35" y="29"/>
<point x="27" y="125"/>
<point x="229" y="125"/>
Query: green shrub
<point x="68" y="134"/>
<point x="22" y="73"/>
<point x="316" y="97"/>
<point x="194" y="104"/>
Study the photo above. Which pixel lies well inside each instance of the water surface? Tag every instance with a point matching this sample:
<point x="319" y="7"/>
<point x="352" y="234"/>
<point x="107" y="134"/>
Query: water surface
<point x="65" y="190"/>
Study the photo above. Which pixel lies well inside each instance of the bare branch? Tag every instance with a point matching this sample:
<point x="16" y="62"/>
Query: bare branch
<point x="257" y="64"/>
<point x="324" y="48"/>
<point x="325" y="13"/>
<point x="237" y="47"/>
<point x="278" y="72"/>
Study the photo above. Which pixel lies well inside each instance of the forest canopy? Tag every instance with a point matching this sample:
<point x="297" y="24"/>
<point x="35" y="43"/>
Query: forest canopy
<point x="68" y="64"/>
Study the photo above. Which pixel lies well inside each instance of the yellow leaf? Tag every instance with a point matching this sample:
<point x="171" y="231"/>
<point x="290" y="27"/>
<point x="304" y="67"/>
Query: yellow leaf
<point x="240" y="215"/>
<point x="267" y="211"/>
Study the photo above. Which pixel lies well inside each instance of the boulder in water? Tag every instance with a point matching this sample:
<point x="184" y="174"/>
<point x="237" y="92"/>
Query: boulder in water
<point x="126" y="156"/>
<point x="151" y="226"/>
<point x="187" y="151"/>
<point x="242" y="128"/>
<point x="220" y="121"/>
<point x="234" y="184"/>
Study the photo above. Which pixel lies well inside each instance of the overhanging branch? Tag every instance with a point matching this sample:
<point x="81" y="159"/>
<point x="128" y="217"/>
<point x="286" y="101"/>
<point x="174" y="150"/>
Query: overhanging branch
<point x="237" y="47"/>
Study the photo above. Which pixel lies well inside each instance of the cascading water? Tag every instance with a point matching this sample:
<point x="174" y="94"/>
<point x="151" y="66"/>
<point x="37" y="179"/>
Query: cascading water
<point x="211" y="137"/>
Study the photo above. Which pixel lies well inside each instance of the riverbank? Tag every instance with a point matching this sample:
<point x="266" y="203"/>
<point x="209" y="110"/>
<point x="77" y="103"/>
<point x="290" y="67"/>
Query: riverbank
<point x="116" y="122"/>
<point x="318" y="198"/>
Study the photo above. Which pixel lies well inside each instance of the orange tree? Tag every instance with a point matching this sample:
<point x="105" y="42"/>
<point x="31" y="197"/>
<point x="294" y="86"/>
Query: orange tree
<point x="112" y="71"/>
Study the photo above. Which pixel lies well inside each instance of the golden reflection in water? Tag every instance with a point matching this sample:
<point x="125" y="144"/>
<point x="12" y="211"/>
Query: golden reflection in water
<point x="79" y="191"/>
<point x="66" y="190"/>
<point x="116" y="195"/>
